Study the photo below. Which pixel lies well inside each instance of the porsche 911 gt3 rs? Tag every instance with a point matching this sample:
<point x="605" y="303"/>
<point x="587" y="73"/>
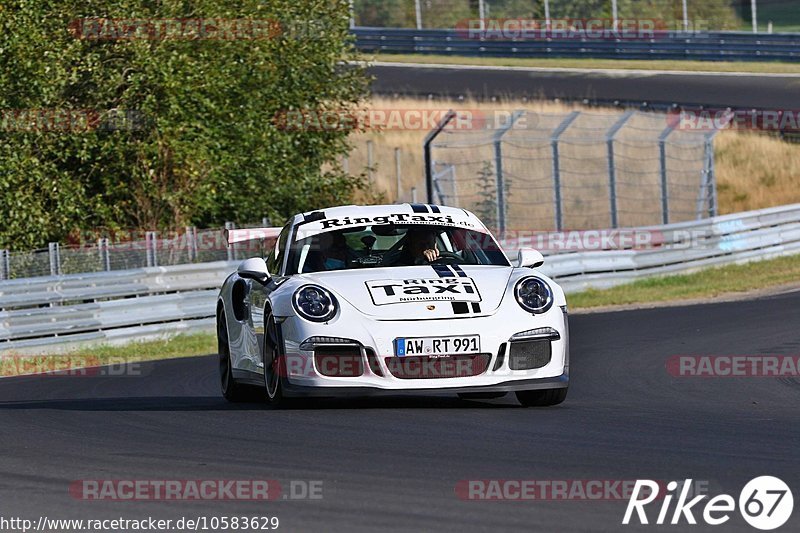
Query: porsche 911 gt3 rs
<point x="361" y="300"/>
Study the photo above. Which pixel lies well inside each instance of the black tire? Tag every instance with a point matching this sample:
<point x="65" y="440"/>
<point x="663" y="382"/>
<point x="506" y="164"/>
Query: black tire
<point x="274" y="361"/>
<point x="231" y="390"/>
<point x="541" y="398"/>
<point x="481" y="395"/>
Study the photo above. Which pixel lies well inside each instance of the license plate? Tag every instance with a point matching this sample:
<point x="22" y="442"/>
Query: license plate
<point x="456" y="344"/>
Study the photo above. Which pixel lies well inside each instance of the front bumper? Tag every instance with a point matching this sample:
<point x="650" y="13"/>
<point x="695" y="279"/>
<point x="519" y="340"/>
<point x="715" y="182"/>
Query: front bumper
<point x="303" y="378"/>
<point x="558" y="382"/>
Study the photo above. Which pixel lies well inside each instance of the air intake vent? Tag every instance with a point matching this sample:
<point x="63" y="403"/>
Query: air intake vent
<point x="339" y="361"/>
<point x="526" y="355"/>
<point x="372" y="361"/>
<point x="424" y="367"/>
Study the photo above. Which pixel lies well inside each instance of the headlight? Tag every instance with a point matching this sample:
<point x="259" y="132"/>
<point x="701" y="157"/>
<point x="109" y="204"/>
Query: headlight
<point x="314" y="303"/>
<point x="534" y="295"/>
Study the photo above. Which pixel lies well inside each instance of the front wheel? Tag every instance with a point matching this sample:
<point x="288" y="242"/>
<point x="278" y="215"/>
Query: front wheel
<point x="541" y="398"/>
<point x="274" y="361"/>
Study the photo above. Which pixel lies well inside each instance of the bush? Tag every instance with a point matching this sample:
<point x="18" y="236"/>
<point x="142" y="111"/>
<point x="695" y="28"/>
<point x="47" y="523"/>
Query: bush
<point x="186" y="131"/>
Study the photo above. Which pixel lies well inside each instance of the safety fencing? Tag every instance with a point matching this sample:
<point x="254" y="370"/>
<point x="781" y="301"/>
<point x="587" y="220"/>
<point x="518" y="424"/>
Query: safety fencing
<point x="699" y="46"/>
<point x="574" y="169"/>
<point x="124" y="251"/>
<point x="62" y="311"/>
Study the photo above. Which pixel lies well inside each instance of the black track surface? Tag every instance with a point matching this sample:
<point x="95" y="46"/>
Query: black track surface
<point x="632" y="88"/>
<point x="394" y="463"/>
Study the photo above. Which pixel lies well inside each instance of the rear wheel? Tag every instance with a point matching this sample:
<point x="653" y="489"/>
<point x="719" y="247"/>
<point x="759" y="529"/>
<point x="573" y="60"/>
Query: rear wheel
<point x="541" y="398"/>
<point x="231" y="390"/>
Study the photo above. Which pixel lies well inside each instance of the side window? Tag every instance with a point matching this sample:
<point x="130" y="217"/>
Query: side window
<point x="275" y="258"/>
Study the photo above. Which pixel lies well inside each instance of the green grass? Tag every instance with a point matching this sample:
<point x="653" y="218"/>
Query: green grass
<point x="705" y="284"/>
<point x="691" y="66"/>
<point x="185" y="345"/>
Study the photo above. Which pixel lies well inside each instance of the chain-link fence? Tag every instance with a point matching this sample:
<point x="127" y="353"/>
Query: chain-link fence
<point x="696" y="15"/>
<point x="107" y="254"/>
<point x="576" y="170"/>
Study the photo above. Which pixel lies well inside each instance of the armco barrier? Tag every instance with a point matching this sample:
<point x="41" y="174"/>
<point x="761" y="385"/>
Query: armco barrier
<point x="109" y="306"/>
<point x="61" y="311"/>
<point x="687" y="246"/>
<point x="703" y="46"/>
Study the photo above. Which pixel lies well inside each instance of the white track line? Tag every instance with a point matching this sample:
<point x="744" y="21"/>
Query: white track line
<point x="610" y="72"/>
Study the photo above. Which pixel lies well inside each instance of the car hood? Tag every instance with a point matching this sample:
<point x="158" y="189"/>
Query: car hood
<point x="419" y="292"/>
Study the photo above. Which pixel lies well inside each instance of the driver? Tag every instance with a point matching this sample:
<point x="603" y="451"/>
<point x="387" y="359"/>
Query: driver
<point x="334" y="250"/>
<point x="329" y="251"/>
<point x="419" y="247"/>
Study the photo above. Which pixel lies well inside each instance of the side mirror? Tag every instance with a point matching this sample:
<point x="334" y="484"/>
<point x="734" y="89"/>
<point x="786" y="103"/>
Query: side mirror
<point x="253" y="268"/>
<point x="528" y="257"/>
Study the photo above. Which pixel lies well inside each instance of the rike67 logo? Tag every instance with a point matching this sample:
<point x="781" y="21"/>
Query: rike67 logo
<point x="765" y="503"/>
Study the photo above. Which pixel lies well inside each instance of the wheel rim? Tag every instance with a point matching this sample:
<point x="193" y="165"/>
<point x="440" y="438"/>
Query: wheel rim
<point x="271" y="359"/>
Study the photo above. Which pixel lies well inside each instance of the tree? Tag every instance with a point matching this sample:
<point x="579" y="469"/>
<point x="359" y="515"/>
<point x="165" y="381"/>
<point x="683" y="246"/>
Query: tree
<point x="181" y="130"/>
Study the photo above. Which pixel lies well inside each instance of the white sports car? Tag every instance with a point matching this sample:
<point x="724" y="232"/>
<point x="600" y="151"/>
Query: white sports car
<point x="388" y="299"/>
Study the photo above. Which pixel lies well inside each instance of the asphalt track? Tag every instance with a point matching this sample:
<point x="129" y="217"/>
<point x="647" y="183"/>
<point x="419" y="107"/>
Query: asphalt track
<point x="393" y="463"/>
<point x="629" y="88"/>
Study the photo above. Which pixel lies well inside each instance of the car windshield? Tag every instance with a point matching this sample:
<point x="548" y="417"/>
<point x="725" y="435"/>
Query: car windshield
<point x="393" y="245"/>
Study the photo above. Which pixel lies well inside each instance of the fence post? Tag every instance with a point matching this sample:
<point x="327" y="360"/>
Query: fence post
<point x="709" y="169"/>
<point x="413" y="195"/>
<point x="346" y="165"/>
<point x="352" y="11"/>
<point x="711" y="177"/>
<point x="397" y="173"/>
<point x="612" y="170"/>
<point x="55" y="258"/>
<point x="151" y="243"/>
<point x="498" y="170"/>
<point x="662" y="150"/>
<point x="231" y="247"/>
<point x="426" y="145"/>
<point x="557" y="167"/>
<point x="370" y="162"/>
<point x="5" y="264"/>
<point x="105" y="256"/>
<point x="191" y="243"/>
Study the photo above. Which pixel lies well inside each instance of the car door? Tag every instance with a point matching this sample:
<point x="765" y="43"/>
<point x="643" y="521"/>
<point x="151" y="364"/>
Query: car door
<point x="259" y="295"/>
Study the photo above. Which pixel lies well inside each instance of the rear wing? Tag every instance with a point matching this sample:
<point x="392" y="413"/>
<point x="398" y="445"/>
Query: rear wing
<point x="234" y="236"/>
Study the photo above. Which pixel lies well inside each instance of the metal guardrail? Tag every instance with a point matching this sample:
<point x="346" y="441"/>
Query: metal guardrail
<point x="64" y="311"/>
<point x="702" y="46"/>
<point x="684" y="247"/>
<point x="109" y="306"/>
